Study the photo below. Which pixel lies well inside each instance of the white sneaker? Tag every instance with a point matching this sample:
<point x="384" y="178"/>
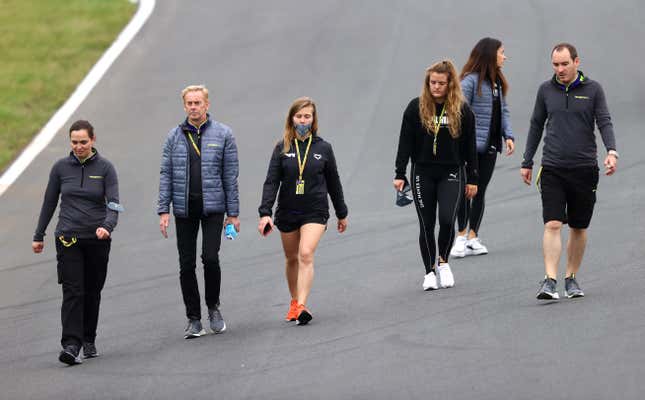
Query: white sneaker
<point x="446" y="279"/>
<point x="459" y="247"/>
<point x="475" y="248"/>
<point x="430" y="282"/>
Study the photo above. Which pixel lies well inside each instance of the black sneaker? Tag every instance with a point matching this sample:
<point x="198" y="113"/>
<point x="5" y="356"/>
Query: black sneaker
<point x="89" y="350"/>
<point x="571" y="288"/>
<point x="194" y="329"/>
<point x="547" y="290"/>
<point x="70" y="355"/>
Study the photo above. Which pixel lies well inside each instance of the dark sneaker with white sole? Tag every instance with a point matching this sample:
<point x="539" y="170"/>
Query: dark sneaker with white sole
<point x="194" y="329"/>
<point x="547" y="290"/>
<point x="70" y="355"/>
<point x="89" y="350"/>
<point x="571" y="288"/>
<point x="304" y="315"/>
<point x="216" y="320"/>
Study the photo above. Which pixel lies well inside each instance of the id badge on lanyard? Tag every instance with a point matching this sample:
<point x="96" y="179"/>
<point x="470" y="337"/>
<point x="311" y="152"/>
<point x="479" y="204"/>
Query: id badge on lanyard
<point x="300" y="186"/>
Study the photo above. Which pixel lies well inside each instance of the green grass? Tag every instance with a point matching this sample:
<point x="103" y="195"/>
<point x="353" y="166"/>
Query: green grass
<point x="46" y="49"/>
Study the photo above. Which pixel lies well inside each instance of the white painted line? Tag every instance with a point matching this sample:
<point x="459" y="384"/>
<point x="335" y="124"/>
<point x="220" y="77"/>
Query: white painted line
<point x="61" y="116"/>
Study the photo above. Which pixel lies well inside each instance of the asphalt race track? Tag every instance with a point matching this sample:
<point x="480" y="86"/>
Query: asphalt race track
<point x="375" y="333"/>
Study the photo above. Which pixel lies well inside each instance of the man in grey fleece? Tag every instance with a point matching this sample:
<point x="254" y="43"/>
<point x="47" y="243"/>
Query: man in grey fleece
<point x="569" y="103"/>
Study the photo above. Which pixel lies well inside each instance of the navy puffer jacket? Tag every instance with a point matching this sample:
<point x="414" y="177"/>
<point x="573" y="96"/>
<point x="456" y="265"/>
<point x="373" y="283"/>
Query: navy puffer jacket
<point x="220" y="170"/>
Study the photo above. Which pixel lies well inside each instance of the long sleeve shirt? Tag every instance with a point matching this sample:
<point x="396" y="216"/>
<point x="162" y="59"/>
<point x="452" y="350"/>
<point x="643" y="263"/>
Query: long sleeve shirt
<point x="320" y="175"/>
<point x="570" y="113"/>
<point x="416" y="143"/>
<point x="85" y="189"/>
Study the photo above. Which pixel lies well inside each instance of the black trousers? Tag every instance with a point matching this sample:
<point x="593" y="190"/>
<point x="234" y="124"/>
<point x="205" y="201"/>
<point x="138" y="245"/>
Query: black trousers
<point x="472" y="211"/>
<point x="187" y="229"/>
<point x="432" y="186"/>
<point x="82" y="269"/>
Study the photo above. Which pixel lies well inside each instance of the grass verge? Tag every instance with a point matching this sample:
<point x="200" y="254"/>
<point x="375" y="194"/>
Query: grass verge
<point x="47" y="48"/>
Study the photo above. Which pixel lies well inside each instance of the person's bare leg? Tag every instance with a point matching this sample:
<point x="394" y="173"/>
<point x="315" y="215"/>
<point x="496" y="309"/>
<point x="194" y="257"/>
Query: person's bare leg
<point x="290" y="244"/>
<point x="552" y="248"/>
<point x="310" y="235"/>
<point x="575" y="250"/>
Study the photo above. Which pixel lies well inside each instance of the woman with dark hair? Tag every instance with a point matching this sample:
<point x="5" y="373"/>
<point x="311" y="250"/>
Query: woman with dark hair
<point x="438" y="135"/>
<point x="88" y="188"/>
<point x="485" y="89"/>
<point x="303" y="170"/>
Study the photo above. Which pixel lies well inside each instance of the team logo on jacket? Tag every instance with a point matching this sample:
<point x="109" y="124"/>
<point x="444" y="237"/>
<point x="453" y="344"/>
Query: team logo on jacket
<point x="317" y="156"/>
<point x="291" y="155"/>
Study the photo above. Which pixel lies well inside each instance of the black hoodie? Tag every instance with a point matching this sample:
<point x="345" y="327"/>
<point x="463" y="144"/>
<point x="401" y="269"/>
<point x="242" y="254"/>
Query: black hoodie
<point x="320" y="176"/>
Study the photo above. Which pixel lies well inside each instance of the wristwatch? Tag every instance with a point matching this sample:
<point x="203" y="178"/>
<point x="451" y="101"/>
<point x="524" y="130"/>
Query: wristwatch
<point x="613" y="153"/>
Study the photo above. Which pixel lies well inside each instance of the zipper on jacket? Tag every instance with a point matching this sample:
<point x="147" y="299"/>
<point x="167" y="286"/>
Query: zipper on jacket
<point x="187" y="172"/>
<point x="82" y="174"/>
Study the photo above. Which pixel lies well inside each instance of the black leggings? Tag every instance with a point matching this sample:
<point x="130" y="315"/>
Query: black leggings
<point x="434" y="185"/>
<point x="473" y="210"/>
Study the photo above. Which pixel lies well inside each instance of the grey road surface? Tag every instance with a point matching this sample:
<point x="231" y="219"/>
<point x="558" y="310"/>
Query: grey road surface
<point x="375" y="333"/>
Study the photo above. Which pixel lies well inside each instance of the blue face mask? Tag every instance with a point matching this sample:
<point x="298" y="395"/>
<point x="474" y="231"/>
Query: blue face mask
<point x="302" y="130"/>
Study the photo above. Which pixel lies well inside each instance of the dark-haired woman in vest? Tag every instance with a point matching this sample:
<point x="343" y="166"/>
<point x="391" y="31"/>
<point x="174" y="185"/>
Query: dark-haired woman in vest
<point x="485" y="89"/>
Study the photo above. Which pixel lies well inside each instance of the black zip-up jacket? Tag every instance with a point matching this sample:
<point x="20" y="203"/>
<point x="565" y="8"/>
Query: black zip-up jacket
<point x="416" y="143"/>
<point x="569" y="113"/>
<point x="320" y="176"/>
<point x="85" y="189"/>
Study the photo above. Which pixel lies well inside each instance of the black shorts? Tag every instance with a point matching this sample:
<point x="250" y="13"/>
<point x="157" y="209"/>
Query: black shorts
<point x="292" y="222"/>
<point x="568" y="195"/>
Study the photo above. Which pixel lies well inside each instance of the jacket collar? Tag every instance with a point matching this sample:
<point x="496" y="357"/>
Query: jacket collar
<point x="75" y="160"/>
<point x="187" y="126"/>
<point x="580" y="80"/>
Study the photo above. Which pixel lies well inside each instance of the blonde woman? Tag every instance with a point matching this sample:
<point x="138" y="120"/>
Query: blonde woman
<point x="302" y="172"/>
<point x="438" y="135"/>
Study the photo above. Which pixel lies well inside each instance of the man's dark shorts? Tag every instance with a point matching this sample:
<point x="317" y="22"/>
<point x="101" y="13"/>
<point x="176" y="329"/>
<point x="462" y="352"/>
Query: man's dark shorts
<point x="568" y="195"/>
<point x="288" y="222"/>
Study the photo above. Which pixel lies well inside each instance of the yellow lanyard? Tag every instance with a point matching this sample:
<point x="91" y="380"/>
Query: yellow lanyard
<point x="437" y="125"/>
<point x="194" y="144"/>
<point x="301" y="163"/>
<point x="65" y="242"/>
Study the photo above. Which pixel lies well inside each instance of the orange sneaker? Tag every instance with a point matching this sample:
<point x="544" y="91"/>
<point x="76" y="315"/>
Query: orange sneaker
<point x="304" y="316"/>
<point x="292" y="314"/>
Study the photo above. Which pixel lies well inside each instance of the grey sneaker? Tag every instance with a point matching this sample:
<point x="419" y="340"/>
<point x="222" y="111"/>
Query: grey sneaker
<point x="70" y="355"/>
<point x="89" y="350"/>
<point x="217" y="321"/>
<point x="547" y="290"/>
<point x="571" y="288"/>
<point x="194" y="329"/>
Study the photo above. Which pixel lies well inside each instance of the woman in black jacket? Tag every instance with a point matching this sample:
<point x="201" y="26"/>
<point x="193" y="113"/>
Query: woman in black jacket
<point x="438" y="135"/>
<point x="88" y="188"/>
<point x="303" y="170"/>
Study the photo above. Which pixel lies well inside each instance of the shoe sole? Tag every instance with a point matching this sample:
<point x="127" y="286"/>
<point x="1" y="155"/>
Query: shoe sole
<point x="69" y="359"/>
<point x="304" y="318"/>
<point x="471" y="252"/>
<point x="547" y="296"/>
<point x="195" y="335"/>
<point x="430" y="288"/>
<point x="574" y="296"/>
<point x="220" y="331"/>
<point x="448" y="286"/>
<point x="87" y="356"/>
<point x="458" y="254"/>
